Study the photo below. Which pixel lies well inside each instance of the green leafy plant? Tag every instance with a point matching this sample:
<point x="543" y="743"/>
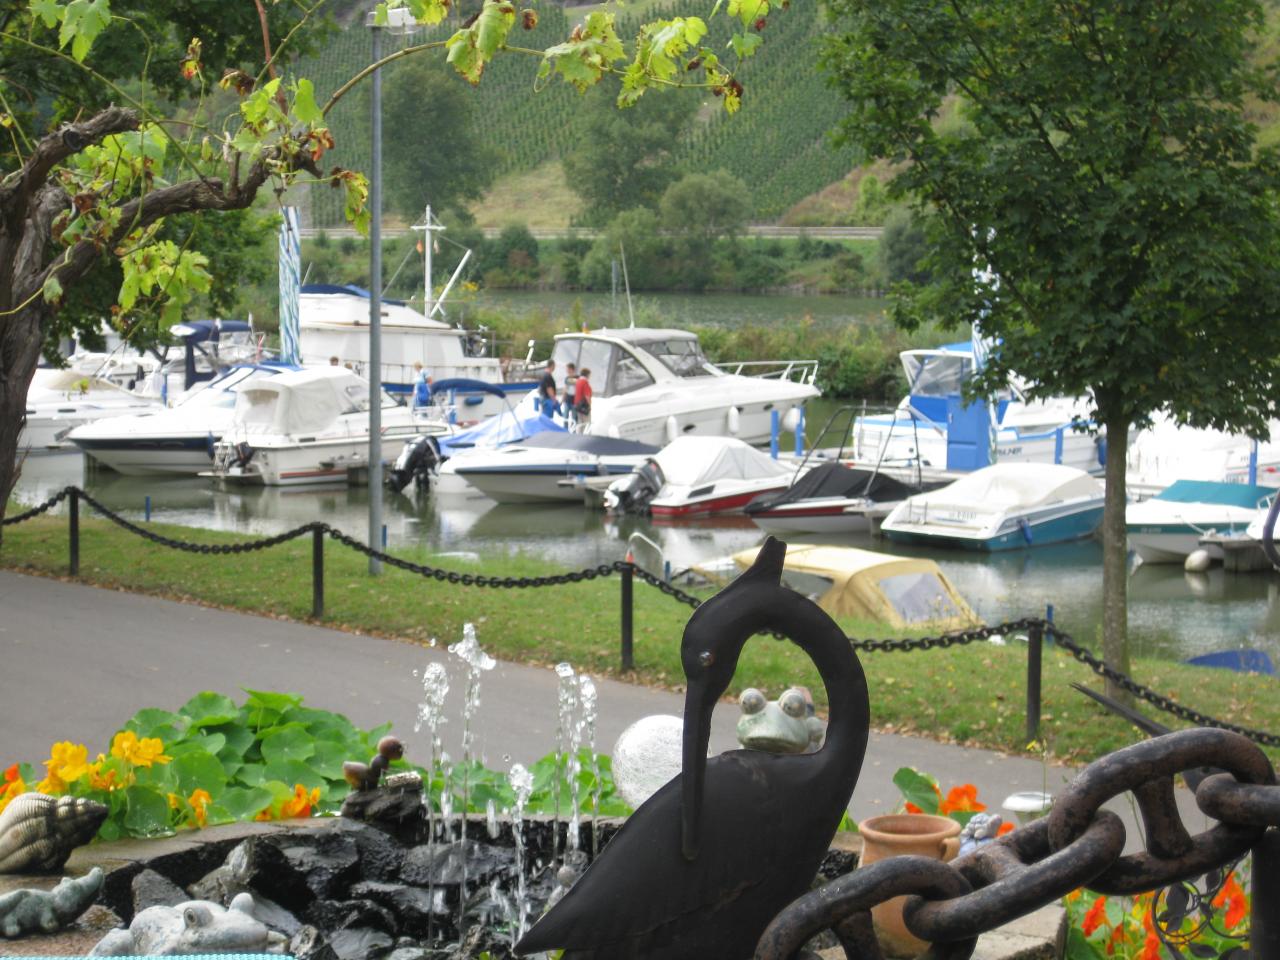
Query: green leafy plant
<point x="921" y="794"/>
<point x="269" y="758"/>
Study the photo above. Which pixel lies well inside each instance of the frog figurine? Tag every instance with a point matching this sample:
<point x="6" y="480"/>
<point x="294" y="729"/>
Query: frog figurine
<point x="787" y="725"/>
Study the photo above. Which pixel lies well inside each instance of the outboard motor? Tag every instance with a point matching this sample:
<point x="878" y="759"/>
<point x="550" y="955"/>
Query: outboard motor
<point x="632" y="493"/>
<point x="416" y="461"/>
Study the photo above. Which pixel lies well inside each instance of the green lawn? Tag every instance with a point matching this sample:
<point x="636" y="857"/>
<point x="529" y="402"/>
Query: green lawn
<point x="972" y="694"/>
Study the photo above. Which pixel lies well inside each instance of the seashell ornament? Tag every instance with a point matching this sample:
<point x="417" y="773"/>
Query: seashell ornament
<point x="38" y="832"/>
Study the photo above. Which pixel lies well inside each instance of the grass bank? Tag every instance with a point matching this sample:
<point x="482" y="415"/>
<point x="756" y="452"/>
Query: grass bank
<point x="973" y="695"/>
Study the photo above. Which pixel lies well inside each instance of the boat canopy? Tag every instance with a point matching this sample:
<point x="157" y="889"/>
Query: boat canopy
<point x="1017" y="486"/>
<point x="690" y="461"/>
<point x="836" y="480"/>
<point x="304" y="401"/>
<point x="900" y="592"/>
<point x="506" y="427"/>
<point x="1244" y="495"/>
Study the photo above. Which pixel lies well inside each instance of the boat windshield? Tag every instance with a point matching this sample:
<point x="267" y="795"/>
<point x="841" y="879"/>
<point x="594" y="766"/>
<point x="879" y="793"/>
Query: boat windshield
<point x="220" y="392"/>
<point x="919" y="597"/>
<point x="683" y="357"/>
<point x="936" y="375"/>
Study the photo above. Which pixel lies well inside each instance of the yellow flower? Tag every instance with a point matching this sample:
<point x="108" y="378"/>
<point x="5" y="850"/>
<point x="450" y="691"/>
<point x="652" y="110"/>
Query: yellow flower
<point x="51" y="784"/>
<point x="67" y="761"/>
<point x="199" y="800"/>
<point x="141" y="753"/>
<point x="175" y="801"/>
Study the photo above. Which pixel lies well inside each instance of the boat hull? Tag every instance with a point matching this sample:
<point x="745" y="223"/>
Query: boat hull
<point x="536" y="484"/>
<point x="713" y="502"/>
<point x="1168" y="543"/>
<point x="1012" y="533"/>
<point x="173" y="456"/>
<point x="828" y="515"/>
<point x="293" y="465"/>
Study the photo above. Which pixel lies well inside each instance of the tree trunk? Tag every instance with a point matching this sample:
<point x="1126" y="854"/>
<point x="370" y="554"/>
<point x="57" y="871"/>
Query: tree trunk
<point x="1115" y="559"/>
<point x="20" y="341"/>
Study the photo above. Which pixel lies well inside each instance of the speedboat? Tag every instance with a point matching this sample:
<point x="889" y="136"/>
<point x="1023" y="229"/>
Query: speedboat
<point x="306" y="426"/>
<point x="903" y="593"/>
<point x="58" y="401"/>
<point x="1169" y="526"/>
<point x="833" y="498"/>
<point x="699" y="476"/>
<point x="1002" y="507"/>
<point x="1167" y="451"/>
<point x="935" y="426"/>
<point x="654" y="385"/>
<point x="533" y="469"/>
<point x="176" y="441"/>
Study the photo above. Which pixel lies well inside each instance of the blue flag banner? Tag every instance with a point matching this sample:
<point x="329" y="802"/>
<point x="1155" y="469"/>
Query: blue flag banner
<point x="290" y="273"/>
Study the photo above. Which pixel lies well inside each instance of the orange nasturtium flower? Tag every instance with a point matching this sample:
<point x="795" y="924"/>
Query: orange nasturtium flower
<point x="962" y="799"/>
<point x="13" y="786"/>
<point x="1096" y="916"/>
<point x="141" y="753"/>
<point x="300" y="804"/>
<point x="199" y="801"/>
<point x="1236" y="901"/>
<point x="102" y="781"/>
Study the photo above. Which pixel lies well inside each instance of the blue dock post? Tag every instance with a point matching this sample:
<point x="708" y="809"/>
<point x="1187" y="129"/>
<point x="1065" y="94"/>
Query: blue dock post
<point x="1057" y="446"/>
<point x="773" y="434"/>
<point x="147" y="507"/>
<point x="800" y="433"/>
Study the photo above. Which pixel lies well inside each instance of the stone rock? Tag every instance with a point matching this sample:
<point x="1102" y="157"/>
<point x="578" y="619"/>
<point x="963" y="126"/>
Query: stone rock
<point x="360" y="943"/>
<point x="258" y="865"/>
<point x="409" y="953"/>
<point x="25" y="911"/>
<point x="193" y="927"/>
<point x="309" y="944"/>
<point x="326" y="864"/>
<point x="381" y="856"/>
<point x="410" y="905"/>
<point x="397" y="804"/>
<point x="439" y="866"/>
<point x="150" y="889"/>
<point x="337" y="914"/>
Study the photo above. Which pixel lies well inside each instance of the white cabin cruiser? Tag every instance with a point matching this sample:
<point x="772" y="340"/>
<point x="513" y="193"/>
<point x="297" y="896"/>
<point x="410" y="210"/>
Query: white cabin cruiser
<point x="307" y="426"/>
<point x="1168" y="527"/>
<point x="933" y="426"/>
<point x="654" y="385"/>
<point x="1001" y="507"/>
<point x="177" y="441"/>
<point x="1166" y="452"/>
<point x="58" y="401"/>
<point x="699" y="476"/>
<point x="334" y="322"/>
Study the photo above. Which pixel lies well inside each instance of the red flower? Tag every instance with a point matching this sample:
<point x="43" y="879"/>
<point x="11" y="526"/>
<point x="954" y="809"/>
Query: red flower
<point x="11" y="774"/>
<point x="962" y="799"/>
<point x="1004" y="828"/>
<point x="1150" y="948"/>
<point x="1096" y="916"/>
<point x="1235" y="899"/>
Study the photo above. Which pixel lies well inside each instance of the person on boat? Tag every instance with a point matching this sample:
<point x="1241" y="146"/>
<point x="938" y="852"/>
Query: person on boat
<point x="547" y="391"/>
<point x="570" y="378"/>
<point x="582" y="395"/>
<point x="421" y="386"/>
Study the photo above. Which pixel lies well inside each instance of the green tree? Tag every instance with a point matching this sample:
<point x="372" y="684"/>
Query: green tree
<point x="699" y="211"/>
<point x="903" y="247"/>
<point x="635" y="234"/>
<point x="1103" y="211"/>
<point x="624" y="160"/>
<point x="108" y="180"/>
<point x="433" y="152"/>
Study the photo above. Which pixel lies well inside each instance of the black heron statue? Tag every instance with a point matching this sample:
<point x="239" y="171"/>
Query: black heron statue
<point x="703" y="866"/>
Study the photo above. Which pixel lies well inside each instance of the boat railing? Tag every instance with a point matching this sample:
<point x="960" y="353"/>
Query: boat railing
<point x="796" y="371"/>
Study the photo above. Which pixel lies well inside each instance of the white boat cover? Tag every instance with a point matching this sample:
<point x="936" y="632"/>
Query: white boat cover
<point x="1016" y="486"/>
<point x="690" y="461"/>
<point x="305" y="401"/>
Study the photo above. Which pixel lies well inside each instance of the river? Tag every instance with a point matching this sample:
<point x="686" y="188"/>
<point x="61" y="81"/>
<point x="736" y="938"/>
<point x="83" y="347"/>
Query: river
<point x="1171" y="613"/>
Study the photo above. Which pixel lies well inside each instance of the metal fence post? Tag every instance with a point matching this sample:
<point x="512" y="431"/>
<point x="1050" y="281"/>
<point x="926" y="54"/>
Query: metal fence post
<point x="1035" y="651"/>
<point x="628" y="658"/>
<point x="74" y="521"/>
<point x="317" y="571"/>
<point x="1264" y="921"/>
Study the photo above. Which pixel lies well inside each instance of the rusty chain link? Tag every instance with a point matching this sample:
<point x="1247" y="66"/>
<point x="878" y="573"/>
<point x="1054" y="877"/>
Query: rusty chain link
<point x="1077" y="844"/>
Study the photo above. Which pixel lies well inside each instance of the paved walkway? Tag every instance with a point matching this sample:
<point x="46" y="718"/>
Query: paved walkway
<point x="77" y="661"/>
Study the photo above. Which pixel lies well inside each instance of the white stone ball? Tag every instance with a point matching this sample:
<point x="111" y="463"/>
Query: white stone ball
<point x="647" y="756"/>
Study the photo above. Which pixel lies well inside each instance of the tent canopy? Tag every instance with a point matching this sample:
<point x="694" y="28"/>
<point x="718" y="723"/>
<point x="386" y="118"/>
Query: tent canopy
<point x="900" y="592"/>
<point x="507" y="427"/>
<point x="303" y="401"/>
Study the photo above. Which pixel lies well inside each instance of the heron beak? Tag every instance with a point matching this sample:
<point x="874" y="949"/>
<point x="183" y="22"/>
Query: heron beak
<point x="697" y="734"/>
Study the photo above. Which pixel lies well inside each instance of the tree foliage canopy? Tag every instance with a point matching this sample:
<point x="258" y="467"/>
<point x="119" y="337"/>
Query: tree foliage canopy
<point x="1102" y="207"/>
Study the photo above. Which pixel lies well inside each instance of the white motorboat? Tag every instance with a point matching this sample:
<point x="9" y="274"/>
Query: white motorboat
<point x="1001" y="507"/>
<point x="1169" y="526"/>
<point x="934" y="426"/>
<point x="833" y="498"/>
<point x="653" y="385"/>
<point x="1166" y="452"/>
<point x="307" y="426"/>
<point x="334" y="322"/>
<point x="699" y="476"/>
<point x="58" y="401"/>
<point x="177" y="441"/>
<point x="533" y="469"/>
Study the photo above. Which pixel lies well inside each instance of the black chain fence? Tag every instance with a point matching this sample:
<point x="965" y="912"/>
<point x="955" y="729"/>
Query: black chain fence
<point x="1036" y="628"/>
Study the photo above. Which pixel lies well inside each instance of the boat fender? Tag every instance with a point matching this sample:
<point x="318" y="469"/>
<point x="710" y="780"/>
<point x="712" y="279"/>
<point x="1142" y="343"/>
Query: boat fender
<point x="1198" y="561"/>
<point x="1025" y="528"/>
<point x="735" y="421"/>
<point x="673" y="428"/>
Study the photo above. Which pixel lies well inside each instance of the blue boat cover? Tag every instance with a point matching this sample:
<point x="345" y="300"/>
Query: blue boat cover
<point x="496" y="431"/>
<point x="1244" y="661"/>
<point x="1212" y="491"/>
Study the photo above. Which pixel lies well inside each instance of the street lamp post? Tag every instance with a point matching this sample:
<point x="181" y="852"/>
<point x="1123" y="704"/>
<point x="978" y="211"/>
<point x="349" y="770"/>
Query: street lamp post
<point x="402" y="22"/>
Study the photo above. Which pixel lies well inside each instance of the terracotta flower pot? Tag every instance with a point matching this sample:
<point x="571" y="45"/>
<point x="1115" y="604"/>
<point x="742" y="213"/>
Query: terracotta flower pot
<point x="896" y="835"/>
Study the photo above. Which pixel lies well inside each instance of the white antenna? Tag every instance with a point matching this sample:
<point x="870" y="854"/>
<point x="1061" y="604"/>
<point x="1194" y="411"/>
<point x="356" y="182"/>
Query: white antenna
<point x="428" y="226"/>
<point x="627" y="284"/>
